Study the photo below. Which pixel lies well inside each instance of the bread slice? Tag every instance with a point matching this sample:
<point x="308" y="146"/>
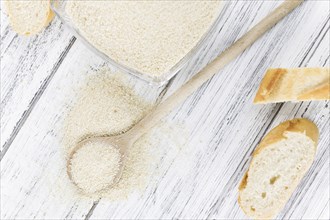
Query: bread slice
<point x="278" y="164"/>
<point x="29" y="17"/>
<point x="299" y="84"/>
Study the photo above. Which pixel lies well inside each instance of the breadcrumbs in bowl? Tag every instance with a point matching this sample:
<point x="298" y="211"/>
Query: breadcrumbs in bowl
<point x="149" y="39"/>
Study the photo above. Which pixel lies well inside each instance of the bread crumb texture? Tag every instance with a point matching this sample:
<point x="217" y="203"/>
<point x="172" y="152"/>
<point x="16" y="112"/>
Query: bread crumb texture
<point x="94" y="166"/>
<point x="297" y="84"/>
<point x="276" y="170"/>
<point x="148" y="36"/>
<point x="28" y="17"/>
<point x="105" y="106"/>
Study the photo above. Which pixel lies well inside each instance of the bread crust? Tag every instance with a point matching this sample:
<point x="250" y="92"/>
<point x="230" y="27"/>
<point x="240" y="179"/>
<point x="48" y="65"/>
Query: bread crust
<point x="50" y="17"/>
<point x="321" y="92"/>
<point x="299" y="125"/>
<point x="274" y="79"/>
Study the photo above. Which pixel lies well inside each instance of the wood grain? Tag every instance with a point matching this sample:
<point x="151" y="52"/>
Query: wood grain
<point x="224" y="126"/>
<point x="27" y="66"/>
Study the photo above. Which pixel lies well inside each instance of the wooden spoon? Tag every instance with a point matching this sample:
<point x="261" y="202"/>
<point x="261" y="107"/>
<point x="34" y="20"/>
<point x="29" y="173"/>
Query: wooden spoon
<point x="123" y="141"/>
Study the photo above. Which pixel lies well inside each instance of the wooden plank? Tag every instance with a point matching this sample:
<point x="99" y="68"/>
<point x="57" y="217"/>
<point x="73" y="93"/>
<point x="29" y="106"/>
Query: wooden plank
<point x="27" y="66"/>
<point x="225" y="128"/>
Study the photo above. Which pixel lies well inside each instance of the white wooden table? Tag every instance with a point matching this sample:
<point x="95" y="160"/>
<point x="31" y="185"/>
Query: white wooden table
<point x="37" y="74"/>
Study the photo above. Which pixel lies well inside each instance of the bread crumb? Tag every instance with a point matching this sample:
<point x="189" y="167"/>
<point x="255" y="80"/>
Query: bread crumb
<point x="28" y="17"/>
<point x="104" y="106"/>
<point x="94" y="166"/>
<point x="147" y="36"/>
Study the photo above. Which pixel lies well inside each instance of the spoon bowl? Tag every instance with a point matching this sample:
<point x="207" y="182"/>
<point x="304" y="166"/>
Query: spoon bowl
<point x="114" y="142"/>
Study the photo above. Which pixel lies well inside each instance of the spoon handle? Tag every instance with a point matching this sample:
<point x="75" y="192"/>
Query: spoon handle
<point x="212" y="68"/>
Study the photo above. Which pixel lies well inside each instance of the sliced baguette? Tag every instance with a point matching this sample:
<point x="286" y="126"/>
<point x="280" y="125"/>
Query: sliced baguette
<point x="29" y="17"/>
<point x="278" y="164"/>
<point x="299" y="84"/>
